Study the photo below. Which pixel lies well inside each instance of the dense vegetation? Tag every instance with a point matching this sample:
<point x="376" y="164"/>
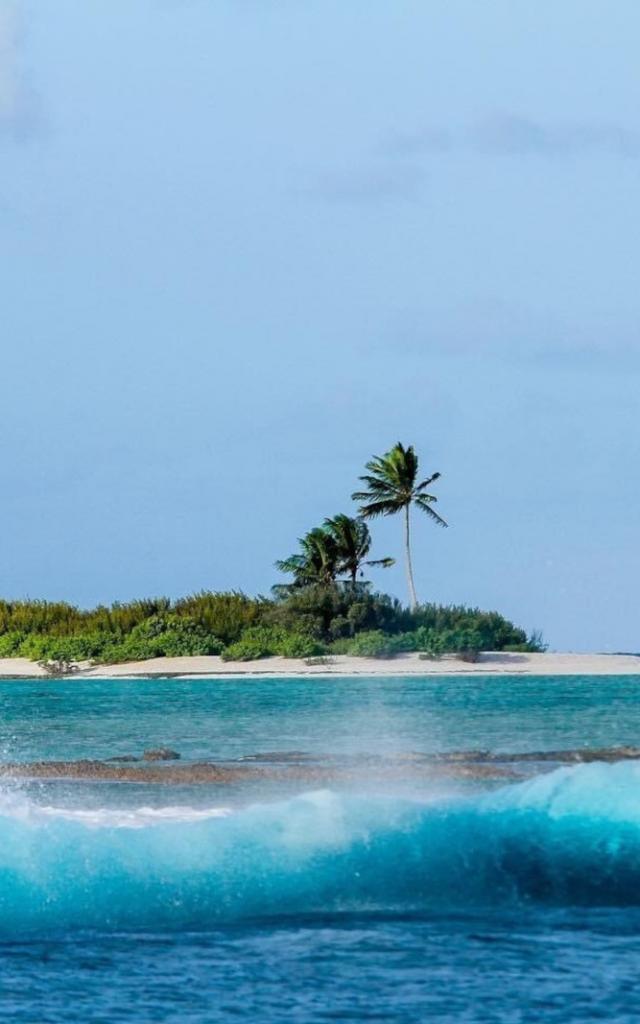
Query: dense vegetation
<point x="304" y="622"/>
<point x="325" y="608"/>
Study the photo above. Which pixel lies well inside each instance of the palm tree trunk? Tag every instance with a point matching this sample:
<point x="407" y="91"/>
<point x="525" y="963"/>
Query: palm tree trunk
<point x="413" y="599"/>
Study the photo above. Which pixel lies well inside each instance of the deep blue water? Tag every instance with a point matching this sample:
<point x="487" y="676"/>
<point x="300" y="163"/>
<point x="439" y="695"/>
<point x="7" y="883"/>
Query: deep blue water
<point x="431" y="900"/>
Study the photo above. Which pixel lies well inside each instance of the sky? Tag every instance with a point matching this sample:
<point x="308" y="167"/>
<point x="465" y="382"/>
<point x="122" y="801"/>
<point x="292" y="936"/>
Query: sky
<point x="247" y="244"/>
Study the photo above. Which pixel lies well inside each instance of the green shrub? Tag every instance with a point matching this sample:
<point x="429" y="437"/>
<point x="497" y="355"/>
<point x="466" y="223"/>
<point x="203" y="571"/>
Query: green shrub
<point x="264" y="641"/>
<point x="402" y="643"/>
<point x="332" y="612"/>
<point x="130" y="649"/>
<point x="38" y="617"/>
<point x="225" y="615"/>
<point x="429" y="642"/>
<point x="85" y="647"/>
<point x="536" y="643"/>
<point x="257" y="642"/>
<point x="10" y="644"/>
<point x="466" y="643"/>
<point x="57" y="618"/>
<point x="156" y="637"/>
<point x="376" y="644"/>
<point x="35" y="647"/>
<point x="373" y="644"/>
<point x="177" y="636"/>
<point x="494" y="630"/>
<point x="340" y="646"/>
<point x="297" y="645"/>
<point x="162" y="636"/>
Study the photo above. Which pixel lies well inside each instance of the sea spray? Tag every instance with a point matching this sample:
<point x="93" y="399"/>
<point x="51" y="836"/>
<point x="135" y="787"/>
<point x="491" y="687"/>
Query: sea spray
<point x="569" y="837"/>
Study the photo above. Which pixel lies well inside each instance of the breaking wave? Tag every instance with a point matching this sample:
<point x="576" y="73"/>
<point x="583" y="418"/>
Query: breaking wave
<point x="569" y="837"/>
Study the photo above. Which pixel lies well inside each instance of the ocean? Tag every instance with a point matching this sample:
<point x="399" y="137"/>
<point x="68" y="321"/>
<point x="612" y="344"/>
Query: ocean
<point x="376" y="851"/>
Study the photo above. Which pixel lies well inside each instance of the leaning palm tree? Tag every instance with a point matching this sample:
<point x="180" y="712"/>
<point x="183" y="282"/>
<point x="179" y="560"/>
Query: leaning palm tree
<point x="392" y="486"/>
<point x="317" y="561"/>
<point x="353" y="542"/>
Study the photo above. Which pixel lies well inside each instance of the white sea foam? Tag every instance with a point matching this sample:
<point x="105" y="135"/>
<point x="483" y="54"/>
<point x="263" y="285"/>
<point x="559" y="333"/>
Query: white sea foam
<point x="18" y="806"/>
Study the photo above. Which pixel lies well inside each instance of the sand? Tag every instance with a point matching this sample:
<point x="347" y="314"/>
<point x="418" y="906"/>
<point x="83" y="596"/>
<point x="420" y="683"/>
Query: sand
<point x="404" y="665"/>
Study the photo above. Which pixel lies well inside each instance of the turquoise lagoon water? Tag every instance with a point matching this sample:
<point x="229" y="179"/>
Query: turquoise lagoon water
<point x="422" y="900"/>
<point x="232" y="718"/>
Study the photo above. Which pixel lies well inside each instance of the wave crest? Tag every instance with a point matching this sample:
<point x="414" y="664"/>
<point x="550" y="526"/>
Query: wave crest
<point x="569" y="837"/>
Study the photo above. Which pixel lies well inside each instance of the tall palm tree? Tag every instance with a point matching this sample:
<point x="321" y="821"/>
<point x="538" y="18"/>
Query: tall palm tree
<point x="392" y="486"/>
<point x="317" y="561"/>
<point x="353" y="542"/>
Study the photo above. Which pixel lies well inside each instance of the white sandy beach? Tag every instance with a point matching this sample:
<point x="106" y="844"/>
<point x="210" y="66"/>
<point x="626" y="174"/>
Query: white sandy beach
<point x="402" y="665"/>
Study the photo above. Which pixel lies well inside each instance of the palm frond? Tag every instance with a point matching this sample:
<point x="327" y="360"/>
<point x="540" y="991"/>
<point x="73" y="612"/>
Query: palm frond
<point x="378" y="486"/>
<point x="374" y="495"/>
<point x="424" y="502"/>
<point x="388" y="507"/>
<point x="392" y="474"/>
<point x="429" y="480"/>
<point x="317" y="561"/>
<point x="291" y="564"/>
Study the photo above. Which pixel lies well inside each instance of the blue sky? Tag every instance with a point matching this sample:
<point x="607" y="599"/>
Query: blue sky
<point x="247" y="244"/>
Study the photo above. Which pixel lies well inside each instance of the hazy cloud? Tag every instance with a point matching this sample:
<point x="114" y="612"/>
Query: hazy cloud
<point x="373" y="184"/>
<point x="510" y="134"/>
<point x="516" y="135"/>
<point x="493" y="329"/>
<point x="18" y="104"/>
<point x="427" y="140"/>
<point x="395" y="171"/>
